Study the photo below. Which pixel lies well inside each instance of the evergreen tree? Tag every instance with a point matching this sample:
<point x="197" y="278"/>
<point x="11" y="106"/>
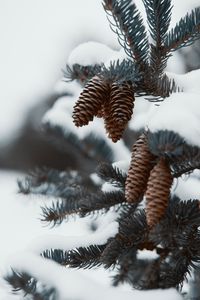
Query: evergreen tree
<point x="149" y="216"/>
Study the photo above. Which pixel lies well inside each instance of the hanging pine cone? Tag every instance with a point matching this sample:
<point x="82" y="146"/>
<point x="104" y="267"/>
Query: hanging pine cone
<point x="142" y="161"/>
<point x="113" y="129"/>
<point x="121" y="102"/>
<point x="158" y="191"/>
<point x="90" y="101"/>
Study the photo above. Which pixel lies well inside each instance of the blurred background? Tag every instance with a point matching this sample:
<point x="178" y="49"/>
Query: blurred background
<point x="36" y="40"/>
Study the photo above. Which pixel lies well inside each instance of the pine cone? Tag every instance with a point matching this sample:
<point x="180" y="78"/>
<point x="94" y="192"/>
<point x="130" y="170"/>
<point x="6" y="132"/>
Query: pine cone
<point x="90" y="101"/>
<point x="158" y="191"/>
<point x="142" y="161"/>
<point x="114" y="130"/>
<point x="121" y="103"/>
<point x="117" y="112"/>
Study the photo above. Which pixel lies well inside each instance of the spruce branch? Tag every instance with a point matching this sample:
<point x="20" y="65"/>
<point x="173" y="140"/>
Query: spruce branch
<point x="52" y="182"/>
<point x="181" y="220"/>
<point x="56" y="136"/>
<point x="91" y="147"/>
<point x="82" y="257"/>
<point x="159" y="17"/>
<point x="161" y="88"/>
<point x="186" y="31"/>
<point x="97" y="148"/>
<point x="81" y="204"/>
<point x="86" y="257"/>
<point x="132" y="232"/>
<point x="125" y="268"/>
<point x="182" y="157"/>
<point x="158" y="61"/>
<point x="117" y="245"/>
<point x="155" y="88"/>
<point x="57" y="255"/>
<point x="129" y="27"/>
<point x="112" y="174"/>
<point x="21" y="281"/>
<point x="141" y="274"/>
<point x="29" y="285"/>
<point x="166" y="143"/>
<point x="120" y="72"/>
<point x="59" y="211"/>
<point x="187" y="163"/>
<point x="80" y="73"/>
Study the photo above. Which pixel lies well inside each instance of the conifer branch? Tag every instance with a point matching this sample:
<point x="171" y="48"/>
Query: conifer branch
<point x="186" y="31"/>
<point x="81" y="204"/>
<point x="57" y="255"/>
<point x="132" y="232"/>
<point x="82" y="257"/>
<point x="80" y="73"/>
<point x="183" y="158"/>
<point x="112" y="174"/>
<point x="156" y="88"/>
<point x="159" y="17"/>
<point x="120" y="72"/>
<point x="92" y="147"/>
<point x="86" y="258"/>
<point x="129" y="28"/>
<point x="29" y="285"/>
<point x="51" y="182"/>
<point x="187" y="163"/>
<point x="165" y="143"/>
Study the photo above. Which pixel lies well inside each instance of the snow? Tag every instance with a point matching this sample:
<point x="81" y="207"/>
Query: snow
<point x="122" y="165"/>
<point x="68" y="242"/>
<point x="186" y="188"/>
<point x="147" y="254"/>
<point x="108" y="187"/>
<point x="189" y="82"/>
<point x="180" y="113"/>
<point x="67" y="281"/>
<point x="172" y="113"/>
<point x="97" y="53"/>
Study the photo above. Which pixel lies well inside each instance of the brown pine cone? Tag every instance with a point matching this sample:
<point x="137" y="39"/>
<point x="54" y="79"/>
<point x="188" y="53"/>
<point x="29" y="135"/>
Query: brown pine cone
<point x="158" y="191"/>
<point x="142" y="161"/>
<point x="114" y="130"/>
<point x="95" y="93"/>
<point x="121" y="102"/>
